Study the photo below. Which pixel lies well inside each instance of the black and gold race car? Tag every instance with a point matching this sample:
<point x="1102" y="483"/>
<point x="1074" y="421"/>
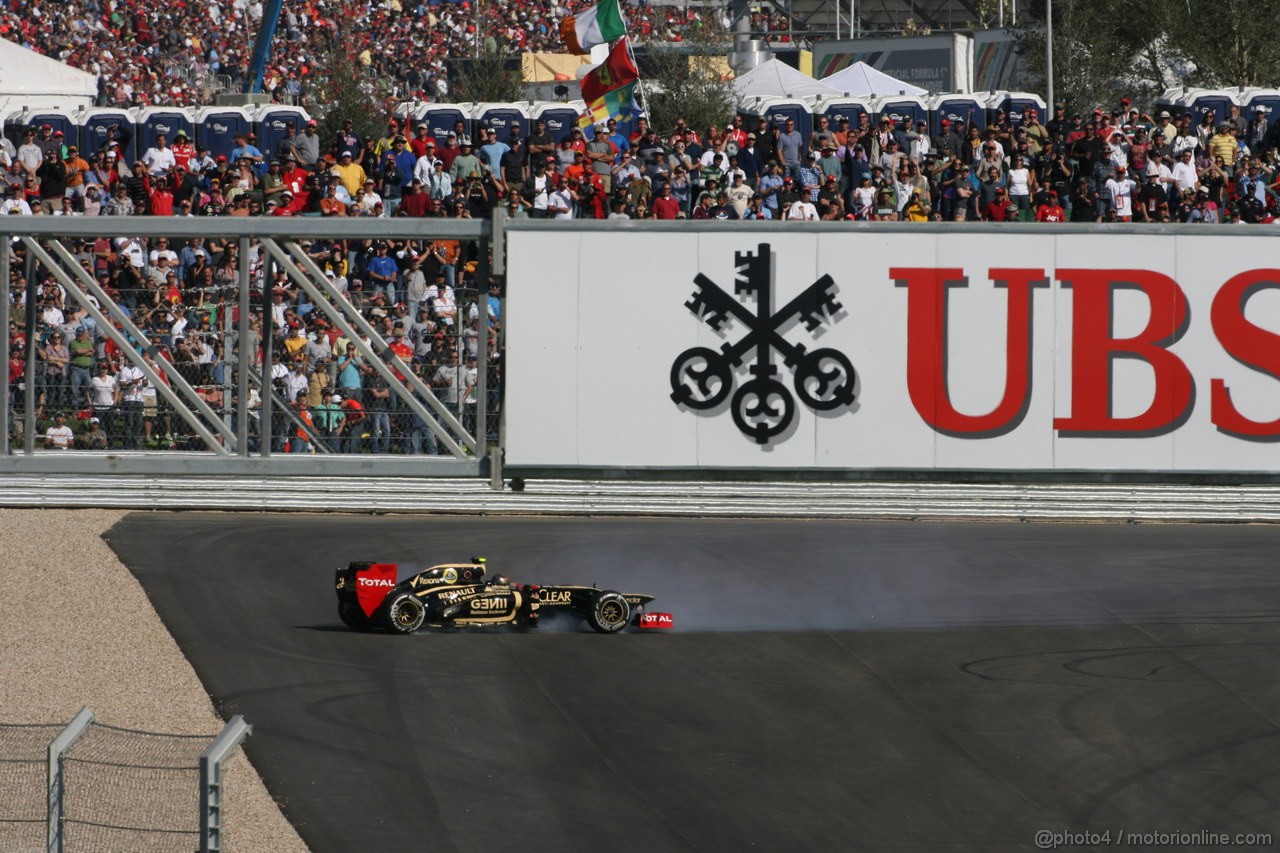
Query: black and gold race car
<point x="454" y="595"/>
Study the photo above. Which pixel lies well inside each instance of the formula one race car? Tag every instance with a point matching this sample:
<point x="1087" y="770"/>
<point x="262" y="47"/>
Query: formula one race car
<point x="458" y="594"/>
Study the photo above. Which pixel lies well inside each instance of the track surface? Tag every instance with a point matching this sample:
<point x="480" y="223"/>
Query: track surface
<point x="838" y="686"/>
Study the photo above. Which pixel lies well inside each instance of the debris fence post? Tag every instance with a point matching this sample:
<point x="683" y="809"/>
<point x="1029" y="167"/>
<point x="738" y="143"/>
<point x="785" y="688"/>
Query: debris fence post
<point x="57" y="749"/>
<point x="211" y="781"/>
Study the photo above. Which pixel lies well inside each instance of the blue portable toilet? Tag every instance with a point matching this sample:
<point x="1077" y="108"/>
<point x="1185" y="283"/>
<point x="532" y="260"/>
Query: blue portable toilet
<point x="1266" y="98"/>
<point x="217" y="127"/>
<point x="1015" y="106"/>
<point x="966" y="108"/>
<point x="441" y="118"/>
<point x="95" y="123"/>
<point x="1165" y="101"/>
<point x="501" y="117"/>
<point x="1198" y="102"/>
<point x="778" y="111"/>
<point x="836" y="107"/>
<point x="561" y="118"/>
<point x="904" y="110"/>
<point x="273" y="122"/>
<point x="153" y="121"/>
<point x="57" y="119"/>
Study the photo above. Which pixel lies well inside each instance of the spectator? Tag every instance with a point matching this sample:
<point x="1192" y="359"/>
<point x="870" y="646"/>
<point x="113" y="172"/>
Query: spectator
<point x="59" y="436"/>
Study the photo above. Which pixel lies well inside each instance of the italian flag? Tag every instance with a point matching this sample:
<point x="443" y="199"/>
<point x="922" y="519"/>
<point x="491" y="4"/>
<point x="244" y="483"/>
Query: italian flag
<point x="600" y="24"/>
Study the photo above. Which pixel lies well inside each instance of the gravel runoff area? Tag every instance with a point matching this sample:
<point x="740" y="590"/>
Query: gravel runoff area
<point x="113" y="656"/>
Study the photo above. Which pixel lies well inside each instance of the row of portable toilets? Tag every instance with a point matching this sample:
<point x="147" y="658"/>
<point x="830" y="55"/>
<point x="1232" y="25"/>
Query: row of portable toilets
<point x="217" y="127"/>
<point x="982" y="108"/>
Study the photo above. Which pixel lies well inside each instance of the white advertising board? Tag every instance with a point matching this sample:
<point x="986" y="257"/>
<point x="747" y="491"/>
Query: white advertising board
<point x="822" y="349"/>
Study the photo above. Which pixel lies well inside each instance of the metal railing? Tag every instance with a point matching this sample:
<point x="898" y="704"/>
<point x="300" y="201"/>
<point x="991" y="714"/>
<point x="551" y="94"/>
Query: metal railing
<point x="211" y="799"/>
<point x="693" y="498"/>
<point x="418" y="402"/>
<point x="56" y="790"/>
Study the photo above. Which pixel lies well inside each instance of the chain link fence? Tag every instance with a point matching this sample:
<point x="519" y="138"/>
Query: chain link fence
<point x="112" y="789"/>
<point x="387" y="346"/>
<point x="130" y="790"/>
<point x="24" y="756"/>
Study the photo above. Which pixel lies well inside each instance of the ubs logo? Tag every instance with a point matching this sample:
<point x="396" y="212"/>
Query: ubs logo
<point x="763" y="407"/>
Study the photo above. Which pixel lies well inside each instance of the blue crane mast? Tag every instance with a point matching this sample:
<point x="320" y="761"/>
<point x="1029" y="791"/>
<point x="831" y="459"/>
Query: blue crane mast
<point x="262" y="47"/>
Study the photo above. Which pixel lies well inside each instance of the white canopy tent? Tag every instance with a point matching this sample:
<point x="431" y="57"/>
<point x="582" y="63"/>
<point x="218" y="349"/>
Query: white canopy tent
<point x="777" y="79"/>
<point x="38" y="81"/>
<point x="861" y="79"/>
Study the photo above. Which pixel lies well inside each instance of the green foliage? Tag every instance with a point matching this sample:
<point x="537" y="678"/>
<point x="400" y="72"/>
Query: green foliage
<point x="343" y="89"/>
<point x="689" y="81"/>
<point x="1105" y="48"/>
<point x="1232" y="43"/>
<point x="489" y="77"/>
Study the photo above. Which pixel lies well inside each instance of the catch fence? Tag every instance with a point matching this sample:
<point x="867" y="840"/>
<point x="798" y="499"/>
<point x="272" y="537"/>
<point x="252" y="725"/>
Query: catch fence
<point x="89" y="786"/>
<point x="337" y="361"/>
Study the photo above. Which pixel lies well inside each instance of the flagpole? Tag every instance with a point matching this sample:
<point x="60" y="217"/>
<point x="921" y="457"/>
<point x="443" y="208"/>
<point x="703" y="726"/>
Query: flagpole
<point x="644" y="95"/>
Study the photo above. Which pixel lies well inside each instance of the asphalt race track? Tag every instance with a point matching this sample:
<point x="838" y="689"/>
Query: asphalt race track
<point x="830" y="686"/>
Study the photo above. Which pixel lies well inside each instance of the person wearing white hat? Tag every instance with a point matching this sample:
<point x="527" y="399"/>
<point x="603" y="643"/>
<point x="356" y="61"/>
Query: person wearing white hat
<point x="1260" y="130"/>
<point x="350" y="173"/>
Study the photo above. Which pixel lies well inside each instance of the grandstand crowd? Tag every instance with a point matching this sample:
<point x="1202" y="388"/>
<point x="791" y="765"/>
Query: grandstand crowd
<point x="425" y="299"/>
<point x="1122" y="165"/>
<point x="149" y="52"/>
<point x="420" y="298"/>
<point x="1118" y="164"/>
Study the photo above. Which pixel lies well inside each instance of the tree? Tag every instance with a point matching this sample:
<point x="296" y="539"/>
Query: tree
<point x="1101" y="49"/>
<point x="1104" y="48"/>
<point x="489" y="77"/>
<point x="689" y="80"/>
<point x="1231" y="43"/>
<point x="344" y="88"/>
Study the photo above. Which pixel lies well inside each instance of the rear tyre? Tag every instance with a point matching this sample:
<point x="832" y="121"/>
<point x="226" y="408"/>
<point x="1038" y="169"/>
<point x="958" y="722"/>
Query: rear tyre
<point x="405" y="613"/>
<point x="609" y="613"/>
<point x="353" y="617"/>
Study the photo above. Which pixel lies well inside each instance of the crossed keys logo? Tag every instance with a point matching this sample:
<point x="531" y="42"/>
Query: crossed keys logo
<point x="763" y="407"/>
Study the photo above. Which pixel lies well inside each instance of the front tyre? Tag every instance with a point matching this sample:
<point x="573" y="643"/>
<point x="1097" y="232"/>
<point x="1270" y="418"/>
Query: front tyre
<point x="609" y="613"/>
<point x="353" y="617"/>
<point x="405" y="613"/>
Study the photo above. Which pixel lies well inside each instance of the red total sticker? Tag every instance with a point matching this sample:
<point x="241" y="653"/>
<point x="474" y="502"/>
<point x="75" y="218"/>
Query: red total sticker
<point x="657" y="621"/>
<point x="373" y="584"/>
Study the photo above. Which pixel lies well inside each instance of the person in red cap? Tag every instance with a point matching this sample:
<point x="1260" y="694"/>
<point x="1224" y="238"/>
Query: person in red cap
<point x="1119" y="191"/>
<point x="307" y="148"/>
<point x="1051" y="210"/>
<point x="386" y="142"/>
<point x="46" y="142"/>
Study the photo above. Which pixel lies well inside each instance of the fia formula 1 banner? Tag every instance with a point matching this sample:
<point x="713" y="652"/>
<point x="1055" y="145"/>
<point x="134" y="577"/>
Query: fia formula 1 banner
<point x="871" y="350"/>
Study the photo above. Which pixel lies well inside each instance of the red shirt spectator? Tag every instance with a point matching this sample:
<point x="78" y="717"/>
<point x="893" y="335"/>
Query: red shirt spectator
<point x="666" y="206"/>
<point x="1052" y="211"/>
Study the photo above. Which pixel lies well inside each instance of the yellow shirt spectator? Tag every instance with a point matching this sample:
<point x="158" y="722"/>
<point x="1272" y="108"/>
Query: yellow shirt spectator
<point x="352" y="174"/>
<point x="1223" y="144"/>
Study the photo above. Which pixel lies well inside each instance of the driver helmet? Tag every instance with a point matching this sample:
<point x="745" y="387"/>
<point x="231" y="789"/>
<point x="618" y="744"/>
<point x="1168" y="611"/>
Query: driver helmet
<point x="501" y="580"/>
